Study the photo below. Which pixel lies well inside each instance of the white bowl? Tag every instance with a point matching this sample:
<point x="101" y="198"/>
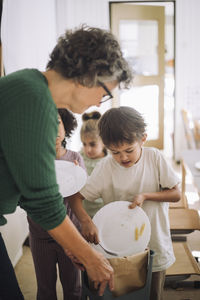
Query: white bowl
<point x="122" y="230"/>
<point x="70" y="177"/>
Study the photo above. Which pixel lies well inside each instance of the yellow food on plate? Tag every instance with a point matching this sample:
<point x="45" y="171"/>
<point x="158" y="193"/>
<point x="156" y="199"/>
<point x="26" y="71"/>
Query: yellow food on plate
<point x="136" y="233"/>
<point x="142" y="229"/>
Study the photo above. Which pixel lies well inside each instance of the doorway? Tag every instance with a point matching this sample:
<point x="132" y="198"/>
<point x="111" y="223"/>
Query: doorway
<point x="146" y="33"/>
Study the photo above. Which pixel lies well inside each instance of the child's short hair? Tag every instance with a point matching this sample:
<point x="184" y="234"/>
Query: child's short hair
<point x="90" y="124"/>
<point x="121" y="125"/>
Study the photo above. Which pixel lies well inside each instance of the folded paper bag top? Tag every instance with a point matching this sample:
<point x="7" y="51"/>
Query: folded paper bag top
<point x="130" y="273"/>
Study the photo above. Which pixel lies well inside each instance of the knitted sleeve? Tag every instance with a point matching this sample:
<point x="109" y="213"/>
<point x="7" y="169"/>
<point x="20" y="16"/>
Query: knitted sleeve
<point x="28" y="135"/>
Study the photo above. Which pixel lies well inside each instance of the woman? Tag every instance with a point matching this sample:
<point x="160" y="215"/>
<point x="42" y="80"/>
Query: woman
<point x="85" y="66"/>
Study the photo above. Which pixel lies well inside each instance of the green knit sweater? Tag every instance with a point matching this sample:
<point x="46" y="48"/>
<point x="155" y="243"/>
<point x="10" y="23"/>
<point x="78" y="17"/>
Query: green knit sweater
<point x="28" y="130"/>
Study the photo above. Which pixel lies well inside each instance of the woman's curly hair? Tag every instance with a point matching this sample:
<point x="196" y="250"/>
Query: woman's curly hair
<point x="88" y="55"/>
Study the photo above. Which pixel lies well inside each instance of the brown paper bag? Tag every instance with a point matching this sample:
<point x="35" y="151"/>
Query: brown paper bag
<point x="129" y="272"/>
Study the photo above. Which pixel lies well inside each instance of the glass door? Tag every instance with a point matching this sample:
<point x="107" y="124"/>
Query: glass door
<point x="140" y="30"/>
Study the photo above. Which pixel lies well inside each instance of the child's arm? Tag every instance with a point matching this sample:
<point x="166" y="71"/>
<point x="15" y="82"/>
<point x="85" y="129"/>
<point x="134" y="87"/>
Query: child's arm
<point x="88" y="229"/>
<point x="166" y="195"/>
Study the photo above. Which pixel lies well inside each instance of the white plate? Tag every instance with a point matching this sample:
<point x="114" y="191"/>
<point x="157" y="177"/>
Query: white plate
<point x="70" y="177"/>
<point x="117" y="226"/>
<point x="197" y="165"/>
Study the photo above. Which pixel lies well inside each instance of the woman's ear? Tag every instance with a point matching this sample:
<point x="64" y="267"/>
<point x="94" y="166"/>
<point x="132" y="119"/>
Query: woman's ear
<point x="144" y="138"/>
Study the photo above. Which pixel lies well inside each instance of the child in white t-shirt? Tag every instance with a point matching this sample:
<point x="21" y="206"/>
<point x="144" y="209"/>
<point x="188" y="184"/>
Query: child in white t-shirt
<point x="138" y="174"/>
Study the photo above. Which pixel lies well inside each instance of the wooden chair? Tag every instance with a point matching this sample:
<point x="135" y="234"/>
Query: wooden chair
<point x="197" y="133"/>
<point x="184" y="266"/>
<point x="182" y="203"/>
<point x="183" y="220"/>
<point x="192" y="130"/>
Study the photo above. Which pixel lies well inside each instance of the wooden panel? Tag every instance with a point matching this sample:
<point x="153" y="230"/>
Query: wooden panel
<point x="184" y="219"/>
<point x="185" y="263"/>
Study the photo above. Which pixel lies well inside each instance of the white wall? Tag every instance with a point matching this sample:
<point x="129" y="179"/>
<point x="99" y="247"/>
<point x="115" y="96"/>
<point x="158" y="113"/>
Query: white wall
<point x="28" y="33"/>
<point x="187" y="66"/>
<point x="73" y="13"/>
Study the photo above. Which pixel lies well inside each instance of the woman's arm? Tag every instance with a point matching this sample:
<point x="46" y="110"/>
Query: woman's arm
<point x="97" y="267"/>
<point x="166" y="195"/>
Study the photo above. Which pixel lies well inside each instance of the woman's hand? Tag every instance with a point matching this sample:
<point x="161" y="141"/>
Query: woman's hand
<point x="98" y="268"/>
<point x="90" y="231"/>
<point x="101" y="273"/>
<point x="137" y="201"/>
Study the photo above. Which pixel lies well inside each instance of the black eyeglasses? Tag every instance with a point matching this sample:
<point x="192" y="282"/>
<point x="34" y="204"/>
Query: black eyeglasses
<point x="108" y="96"/>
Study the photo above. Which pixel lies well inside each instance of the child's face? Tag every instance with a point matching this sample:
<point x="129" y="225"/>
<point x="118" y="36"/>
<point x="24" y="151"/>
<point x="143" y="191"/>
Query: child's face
<point x="60" y="136"/>
<point x="92" y="147"/>
<point x="61" y="129"/>
<point x="126" y="154"/>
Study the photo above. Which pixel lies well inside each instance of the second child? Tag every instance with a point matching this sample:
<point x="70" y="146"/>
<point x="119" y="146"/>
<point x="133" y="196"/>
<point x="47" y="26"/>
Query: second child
<point x="47" y="253"/>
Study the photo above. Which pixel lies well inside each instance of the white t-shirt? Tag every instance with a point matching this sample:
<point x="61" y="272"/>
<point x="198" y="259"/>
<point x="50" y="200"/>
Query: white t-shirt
<point x="151" y="173"/>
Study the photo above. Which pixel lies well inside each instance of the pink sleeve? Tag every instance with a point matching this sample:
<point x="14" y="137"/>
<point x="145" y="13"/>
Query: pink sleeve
<point x="81" y="161"/>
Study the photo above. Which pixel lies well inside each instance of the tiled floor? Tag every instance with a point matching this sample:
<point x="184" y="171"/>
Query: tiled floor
<point x="26" y="276"/>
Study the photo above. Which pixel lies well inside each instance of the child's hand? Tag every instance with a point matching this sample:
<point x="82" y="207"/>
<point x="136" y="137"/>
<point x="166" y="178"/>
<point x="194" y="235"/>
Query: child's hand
<point x="76" y="162"/>
<point x="90" y="232"/>
<point x="137" y="201"/>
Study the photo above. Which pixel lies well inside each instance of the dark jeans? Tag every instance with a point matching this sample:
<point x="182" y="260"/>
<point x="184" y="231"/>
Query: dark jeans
<point x="9" y="288"/>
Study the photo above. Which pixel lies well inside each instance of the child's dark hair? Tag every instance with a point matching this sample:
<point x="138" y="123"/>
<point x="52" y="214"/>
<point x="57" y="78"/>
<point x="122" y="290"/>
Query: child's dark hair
<point x="121" y="125"/>
<point x="69" y="122"/>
